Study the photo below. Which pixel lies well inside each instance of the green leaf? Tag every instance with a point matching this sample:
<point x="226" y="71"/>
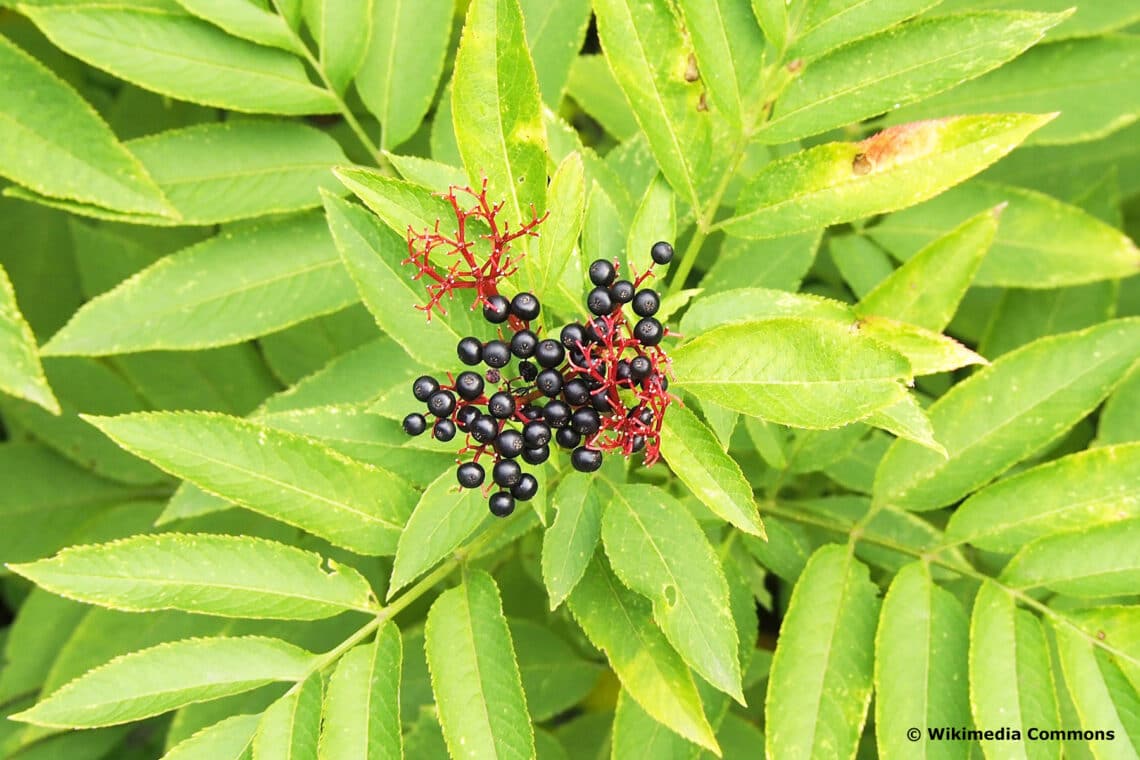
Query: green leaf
<point x="1120" y="417"/>
<point x="1103" y="697"/>
<point x="401" y="69"/>
<point x="927" y="289"/>
<point x="220" y="172"/>
<point x="21" y="373"/>
<point x="646" y="52"/>
<point x="546" y="262"/>
<point x="474" y="673"/>
<point x="246" y="19"/>
<point x="1087" y="80"/>
<point x="619" y="623"/>
<point x="656" y="219"/>
<point x="862" y="264"/>
<point x="289" y="728"/>
<point x="225" y="290"/>
<point x="1011" y="683"/>
<point x="906" y="419"/>
<point x="166" y="677"/>
<point x="810" y="373"/>
<point x="285" y="477"/>
<point x="182" y="57"/>
<point x="657" y="548"/>
<point x="362" y="706"/>
<point x="371" y="253"/>
<point x="898" y="167"/>
<point x="1088" y="21"/>
<point x="554" y="33"/>
<point x="823" y="26"/>
<point x="217" y="575"/>
<point x="786" y="551"/>
<point x="928" y="352"/>
<point x="1022" y="316"/>
<point x="55" y="143"/>
<point x="820" y="684"/>
<point x="729" y="47"/>
<point x="427" y="173"/>
<point x="920" y="657"/>
<point x="1094" y="562"/>
<point x="1041" y="243"/>
<point x="401" y="205"/>
<point x="899" y="66"/>
<point x="777" y="263"/>
<point x="342" y="29"/>
<point x="443" y="519"/>
<point x="1006" y="412"/>
<point x="593" y="87"/>
<point x="569" y="543"/>
<point x="226" y="740"/>
<point x="1119" y="628"/>
<point x="554" y="676"/>
<point x="773" y="18"/>
<point x="497" y="110"/>
<point x="693" y="453"/>
<point x="1073" y="493"/>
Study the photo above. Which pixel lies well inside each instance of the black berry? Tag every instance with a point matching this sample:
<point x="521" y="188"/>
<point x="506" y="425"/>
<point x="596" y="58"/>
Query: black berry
<point x="602" y="273"/>
<point x="469" y="385"/>
<point x="484" y="429"/>
<point x="506" y="473"/>
<point x="531" y="412"/>
<point x="661" y="252"/>
<point x="567" y="438"/>
<point x="501" y="405"/>
<point x="585" y="421"/>
<point x="639" y="368"/>
<point x="501" y="504"/>
<point x="527" y="371"/>
<point x="470" y="351"/>
<point x="649" y="331"/>
<point x="576" y="392"/>
<point x="556" y="414"/>
<point x="523" y="344"/>
<point x="624" y="373"/>
<point x="525" y="306"/>
<point x="646" y="303"/>
<point x="573" y="334"/>
<point x="601" y="402"/>
<point x="465" y="416"/>
<point x="536" y="434"/>
<point x="470" y="475"/>
<point x="496" y="354"/>
<point x="622" y="291"/>
<point x="415" y="424"/>
<point x="441" y="403"/>
<point x="509" y="443"/>
<point x="536" y="455"/>
<point x="443" y="430"/>
<point x="423" y="387"/>
<point x="496" y="309"/>
<point x="599" y="301"/>
<point x="549" y="353"/>
<point x="585" y="460"/>
<point x="526" y="488"/>
<point x="549" y="381"/>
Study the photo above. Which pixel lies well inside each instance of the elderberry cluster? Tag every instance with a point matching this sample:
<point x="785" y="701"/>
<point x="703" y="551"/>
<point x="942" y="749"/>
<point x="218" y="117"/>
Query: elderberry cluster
<point x="600" y="387"/>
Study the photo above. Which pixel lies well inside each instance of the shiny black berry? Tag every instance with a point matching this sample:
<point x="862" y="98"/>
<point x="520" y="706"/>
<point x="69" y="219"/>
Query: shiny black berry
<point x="523" y="344"/>
<point x="423" y="387"/>
<point x="496" y="309"/>
<point x="585" y="421"/>
<point x="622" y="291"/>
<point x="661" y="252"/>
<point x="465" y="416"/>
<point x="624" y="373"/>
<point x="531" y="412"/>
<point x="525" y="306"/>
<point x="639" y="368"/>
<point x="599" y="301"/>
<point x="601" y="402"/>
<point x="536" y="456"/>
<point x="527" y="371"/>
<point x="441" y="403"/>
<point x="598" y="330"/>
<point x="638" y="443"/>
<point x="501" y="405"/>
<point x="549" y="381"/>
<point x="536" y="434"/>
<point x="649" y="331"/>
<point x="526" y="488"/>
<point x="576" y="392"/>
<point x="602" y="273"/>
<point x="484" y="429"/>
<point x="496" y="354"/>
<point x="469" y="385"/>
<point x="509" y="444"/>
<point x="573" y="334"/>
<point x="470" y="474"/>
<point x="506" y="473"/>
<point x="470" y="351"/>
<point x="556" y="414"/>
<point x="443" y="430"/>
<point x="567" y="438"/>
<point x="415" y="424"/>
<point x="549" y="353"/>
<point x="646" y="303"/>
<point x="585" y="460"/>
<point x="501" y="504"/>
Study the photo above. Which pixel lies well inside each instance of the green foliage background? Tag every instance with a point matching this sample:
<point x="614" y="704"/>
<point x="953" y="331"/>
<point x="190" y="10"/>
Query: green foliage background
<point x="904" y="490"/>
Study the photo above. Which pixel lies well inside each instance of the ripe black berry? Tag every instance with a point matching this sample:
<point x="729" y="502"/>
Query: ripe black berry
<point x="501" y="405"/>
<point x="556" y="414"/>
<point x="509" y="444"/>
<point x="526" y="488"/>
<point x="549" y="381"/>
<point x="601" y="402"/>
<point x="441" y="403"/>
<point x="414" y="424"/>
<point x="638" y="443"/>
<point x="573" y="334"/>
<point x="602" y="273"/>
<point x="567" y="438"/>
<point x="537" y="455"/>
<point x="661" y="252"/>
<point x="531" y="412"/>
<point x="527" y="371"/>
<point x="623" y="373"/>
<point x="643" y="413"/>
<point x="484" y="429"/>
<point x="585" y="421"/>
<point x="469" y="385"/>
<point x="649" y="331"/>
<point x="536" y="434"/>
<point x="525" y="306"/>
<point x="501" y="504"/>
<point x="622" y="291"/>
<point x="496" y="309"/>
<point x="465" y="416"/>
<point x="597" y="329"/>
<point x="639" y="368"/>
<point x="599" y="301"/>
<point x="576" y="392"/>
<point x="443" y="430"/>
<point x="470" y="351"/>
<point x="470" y="474"/>
<point x="549" y="353"/>
<point x="506" y="473"/>
<point x="496" y="354"/>
<point x="523" y="344"/>
<point x="423" y="387"/>
<point x="646" y="303"/>
<point x="585" y="460"/>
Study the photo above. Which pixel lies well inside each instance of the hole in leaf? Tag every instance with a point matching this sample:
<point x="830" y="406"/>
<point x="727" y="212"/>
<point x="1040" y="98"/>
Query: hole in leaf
<point x="671" y="596"/>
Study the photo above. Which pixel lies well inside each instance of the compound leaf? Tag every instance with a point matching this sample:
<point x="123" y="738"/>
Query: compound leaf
<point x="362" y="705"/>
